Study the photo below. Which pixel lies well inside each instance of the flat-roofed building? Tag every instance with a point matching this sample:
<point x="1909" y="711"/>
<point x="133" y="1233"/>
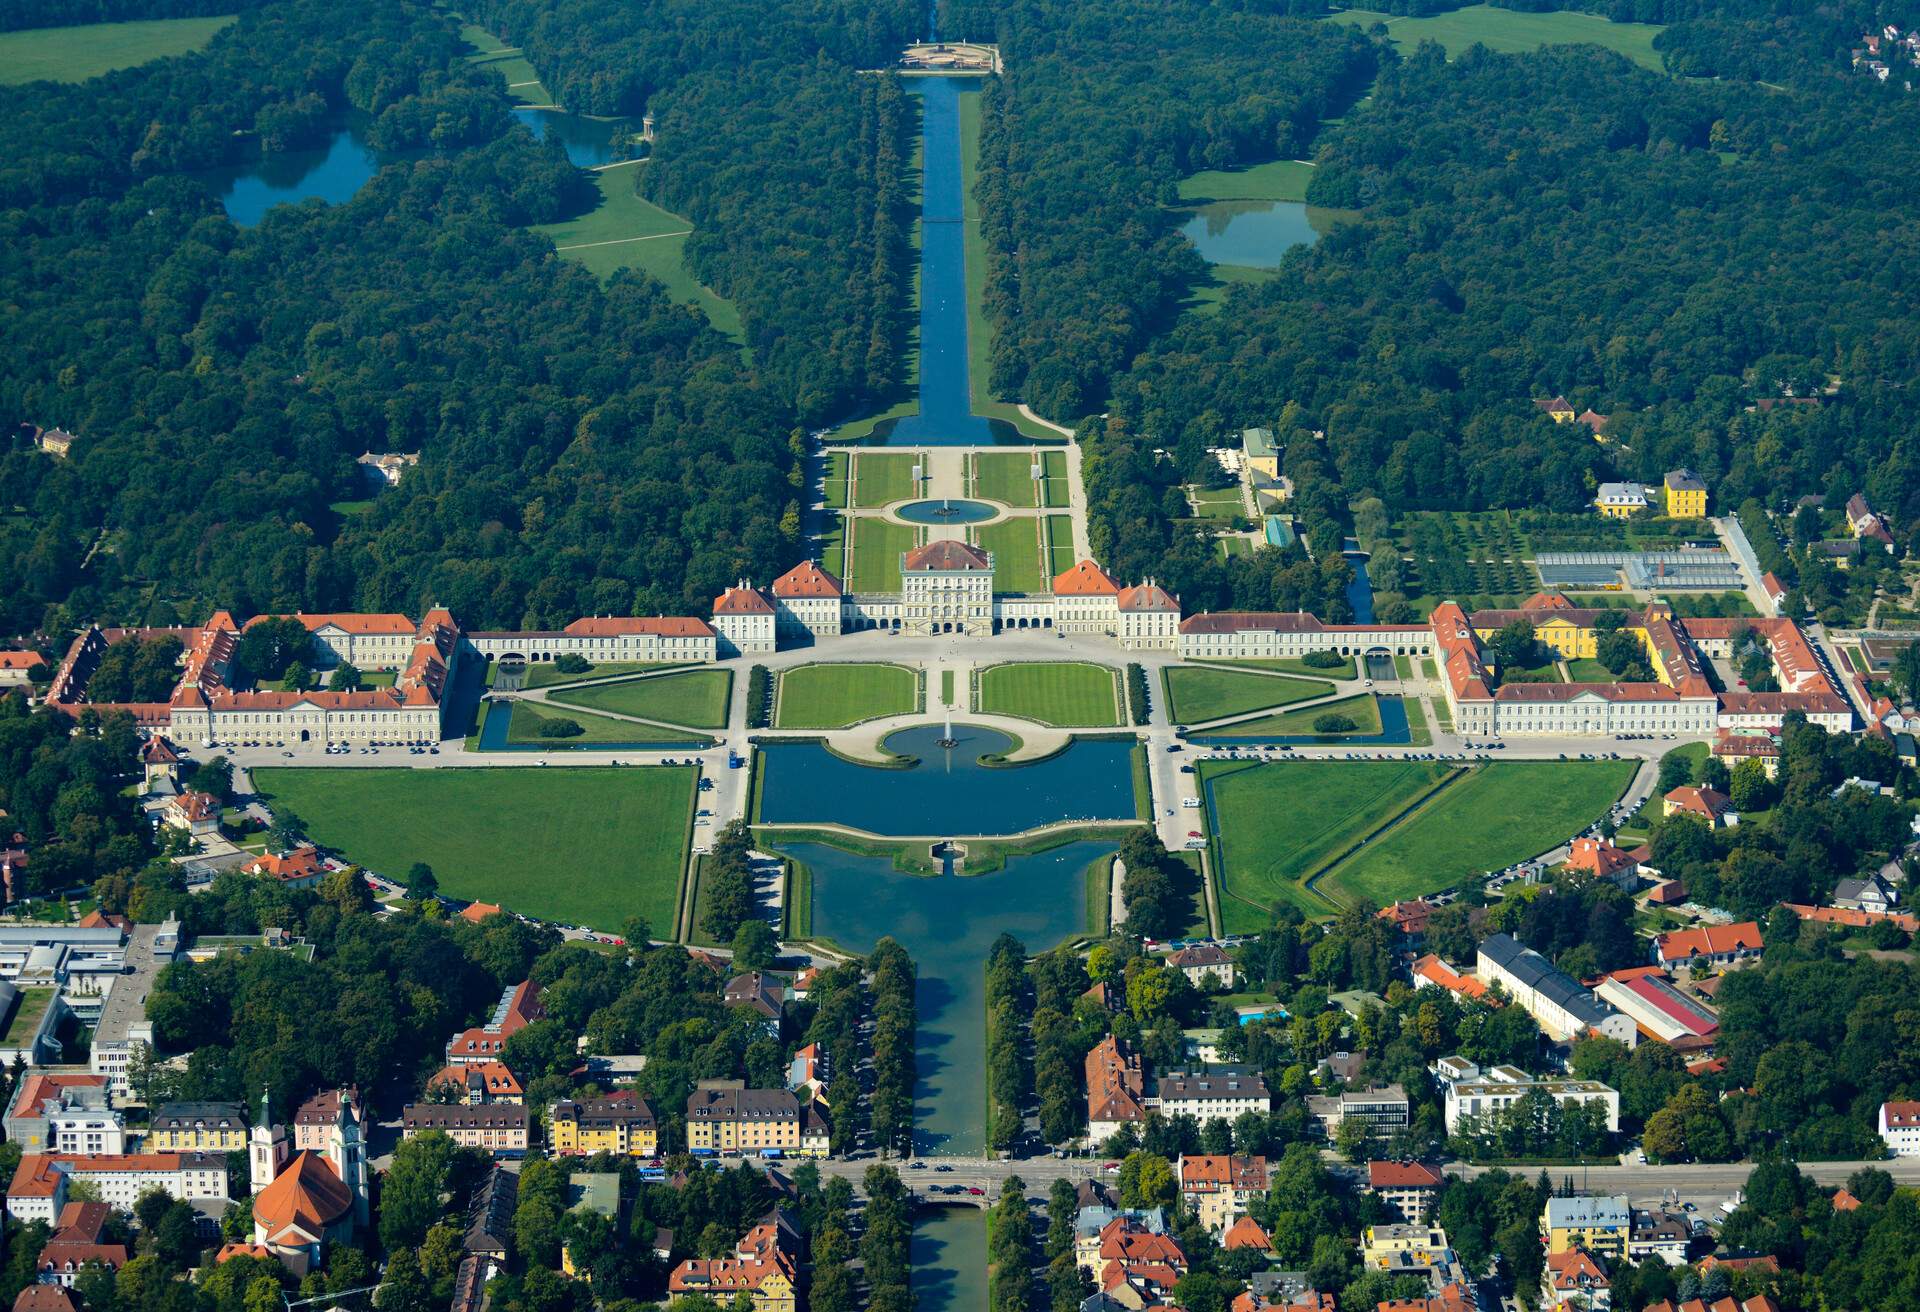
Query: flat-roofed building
<point x="1498" y="1089"/>
<point x="1599" y="1225"/>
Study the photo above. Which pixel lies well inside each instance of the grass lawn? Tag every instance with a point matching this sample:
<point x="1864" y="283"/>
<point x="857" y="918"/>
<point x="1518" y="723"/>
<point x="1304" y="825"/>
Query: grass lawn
<point x="1363" y="710"/>
<point x="836" y="480"/>
<point x="879" y="479"/>
<point x="1015" y="544"/>
<point x="74" y="54"/>
<point x="1004" y="476"/>
<point x="626" y="232"/>
<point x="1223" y="503"/>
<point x="1196" y="693"/>
<point x="1070" y="694"/>
<point x="1290" y="665"/>
<point x="544" y="675"/>
<point x="834" y="695"/>
<point x="974" y="251"/>
<point x="1583" y="670"/>
<point x="696" y="699"/>
<point x="523" y="729"/>
<point x="1059" y="544"/>
<point x="1509" y="31"/>
<point x="585" y="846"/>
<point x="1274" y="825"/>
<point x="1279" y="179"/>
<point x="1497" y="815"/>
<point x="28" y="1008"/>
<point x="1205" y="298"/>
<point x="1442" y="715"/>
<point x="875" y="563"/>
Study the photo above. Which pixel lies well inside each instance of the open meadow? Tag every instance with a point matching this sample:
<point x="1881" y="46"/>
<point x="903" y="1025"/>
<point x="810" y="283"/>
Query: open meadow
<point x="75" y="54"/>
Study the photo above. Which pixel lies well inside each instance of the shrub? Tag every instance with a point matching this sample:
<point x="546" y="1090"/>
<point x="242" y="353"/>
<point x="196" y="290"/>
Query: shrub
<point x="1324" y="660"/>
<point x="572" y="664"/>
<point x="1333" y="722"/>
<point x="759" y="697"/>
<point x="561" y="728"/>
<point x="1137" y="693"/>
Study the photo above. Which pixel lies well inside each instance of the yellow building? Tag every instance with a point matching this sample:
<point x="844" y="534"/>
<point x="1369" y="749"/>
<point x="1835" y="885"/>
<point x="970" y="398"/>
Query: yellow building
<point x="724" y="1116"/>
<point x="1620" y="500"/>
<point x="624" y="1127"/>
<point x="1599" y="1225"/>
<point x="1557" y="623"/>
<point x="197" y="1127"/>
<point x="1556" y="408"/>
<point x="1404" y="1249"/>
<point x="1686" y="495"/>
<point x="1262" y="456"/>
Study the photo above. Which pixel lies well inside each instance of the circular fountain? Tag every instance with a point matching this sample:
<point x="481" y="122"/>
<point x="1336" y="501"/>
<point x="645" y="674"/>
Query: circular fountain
<point x="947" y="510"/>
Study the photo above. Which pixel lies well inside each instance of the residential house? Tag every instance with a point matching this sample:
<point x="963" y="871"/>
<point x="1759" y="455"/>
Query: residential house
<point x="475" y="913"/>
<point x="1717" y="947"/>
<point x="1708" y="804"/>
<point x="623" y="1125"/>
<point x="1210" y="1094"/>
<point x="1872" y="894"/>
<point x="196" y="813"/>
<point x="198" y="1127"/>
<point x="725" y="1116"/>
<point x="1900" y="1127"/>
<point x="1865" y="524"/>
<point x="1410" y="918"/>
<point x="1575" y="1281"/>
<point x="45" y="1298"/>
<point x="518" y="1007"/>
<point x="1282" y="1291"/>
<point x="761" y="1268"/>
<point x="322" y="1120"/>
<point x="760" y="993"/>
<point x="1686" y="495"/>
<point x="1553" y="998"/>
<point x="1206" y="966"/>
<point x="79" y="1239"/>
<point x="478" y="1084"/>
<point x="39" y="1187"/>
<point x="159" y="766"/>
<point x="1663" y="1234"/>
<point x="807" y="1072"/>
<point x="1620" y="500"/>
<point x="1500" y="1087"/>
<point x="496" y="1128"/>
<point x="1601" y="859"/>
<point x="300" y="868"/>
<point x="1601" y="1226"/>
<point x="1556" y="408"/>
<point x="1758" y="1303"/>
<point x="1431" y="972"/>
<point x="16" y="667"/>
<point x="1454" y="1296"/>
<point x="1593" y="421"/>
<point x="1116" y="1089"/>
<point x="1091" y="1224"/>
<point x="1218" y="1187"/>
<point x="1246" y="1233"/>
<point x="1410" y="1188"/>
<point x="1134" y="1263"/>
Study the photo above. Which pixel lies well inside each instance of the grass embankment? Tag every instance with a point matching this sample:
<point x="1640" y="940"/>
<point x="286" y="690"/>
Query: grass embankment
<point x="1197" y="693"/>
<point x="1066" y="694"/>
<point x="75" y="54"/>
<point x="1363" y="710"/>
<point x="1290" y="665"/>
<point x="693" y="699"/>
<point x="1509" y="31"/>
<point x="625" y="231"/>
<point x="835" y="695"/>
<point x="523" y="729"/>
<point x="544" y="675"/>
<point x="585" y="846"/>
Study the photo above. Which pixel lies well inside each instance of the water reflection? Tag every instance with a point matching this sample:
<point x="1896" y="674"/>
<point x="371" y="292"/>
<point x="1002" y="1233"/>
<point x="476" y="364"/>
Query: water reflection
<point x="1255" y="234"/>
<point x="587" y="141"/>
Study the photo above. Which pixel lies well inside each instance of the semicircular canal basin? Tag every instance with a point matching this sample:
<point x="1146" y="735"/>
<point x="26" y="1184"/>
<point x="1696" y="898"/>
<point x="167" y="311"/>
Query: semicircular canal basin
<point x="947" y="791"/>
<point x="946" y="512"/>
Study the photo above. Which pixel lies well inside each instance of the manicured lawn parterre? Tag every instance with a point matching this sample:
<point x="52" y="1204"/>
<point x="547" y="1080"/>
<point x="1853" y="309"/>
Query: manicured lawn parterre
<point x="74" y="54"/>
<point x="832" y="695"/>
<point x="1059" y="545"/>
<point x="1497" y="815"/>
<point x="877" y="544"/>
<point x="1511" y="31"/>
<point x="1224" y="503"/>
<point x="1004" y="476"/>
<point x="524" y="729"/>
<point x="1274" y="825"/>
<point x="585" y="846"/>
<point x="623" y="231"/>
<point x="1198" y="693"/>
<point x="1279" y="179"/>
<point x="1070" y="694"/>
<point x="1582" y="670"/>
<point x="696" y="699"/>
<point x="1015" y="544"/>
<point x="1363" y="710"/>
<point x="879" y="479"/>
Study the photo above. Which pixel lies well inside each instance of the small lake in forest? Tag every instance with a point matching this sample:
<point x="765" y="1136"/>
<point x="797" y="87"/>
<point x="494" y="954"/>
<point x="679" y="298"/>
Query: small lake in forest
<point x="332" y="173"/>
<point x="1255" y="234"/>
<point x="948" y="791"/>
<point x="588" y="141"/>
<point x="947" y="923"/>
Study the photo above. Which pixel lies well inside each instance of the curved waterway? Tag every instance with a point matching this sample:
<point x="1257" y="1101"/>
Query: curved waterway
<point x="947" y="923"/>
<point x="947" y="791"/>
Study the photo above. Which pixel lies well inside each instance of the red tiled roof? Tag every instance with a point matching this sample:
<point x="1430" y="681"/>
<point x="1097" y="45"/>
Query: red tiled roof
<point x="741" y="601"/>
<point x="1148" y="596"/>
<point x="476" y="912"/>
<point x="1902" y="1115"/>
<point x="1402" y="1175"/>
<point x="614" y="626"/>
<point x="807" y="579"/>
<point x="306" y="1197"/>
<point x="1708" y="803"/>
<point x="946" y="554"/>
<point x="1085" y="579"/>
<point x="20" y="660"/>
<point x="301" y="863"/>
<point x="1709" y="940"/>
<point x="1436" y="971"/>
<point x="1246" y="1233"/>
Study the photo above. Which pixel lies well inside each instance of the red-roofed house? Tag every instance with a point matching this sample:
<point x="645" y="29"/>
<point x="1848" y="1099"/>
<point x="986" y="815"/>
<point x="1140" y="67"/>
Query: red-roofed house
<point x="16" y="667"/>
<point x="197" y="813"/>
<point x="300" y="868"/>
<point x="1246" y="1233"/>
<point x="77" y="1240"/>
<point x="480" y="1083"/>
<point x="475" y="912"/>
<point x="1715" y="946"/>
<point x="1410" y="1188"/>
<point x="1708" y="804"/>
<point x="517" y="1008"/>
<point x="1601" y="859"/>
<point x="1218" y="1187"/>
<point x="1575" y="1281"/>
<point x="1116" y="1089"/>
<point x="1900" y="1127"/>
<point x="1409" y="918"/>
<point x="1430" y="971"/>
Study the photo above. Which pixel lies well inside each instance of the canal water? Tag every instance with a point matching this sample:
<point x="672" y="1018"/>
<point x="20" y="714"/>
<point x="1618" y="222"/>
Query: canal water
<point x="947" y="923"/>
<point x="948" y="1253"/>
<point x="1255" y="234"/>
<point x="948" y="791"/>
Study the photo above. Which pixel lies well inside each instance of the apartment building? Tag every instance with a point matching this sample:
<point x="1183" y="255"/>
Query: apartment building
<point x="1218" y="1187"/>
<point x="496" y="1128"/>
<point x="198" y="1127"/>
<point x="1500" y="1087"/>
<point x="1217" y="1093"/>
<point x="624" y="1126"/>
<point x="1599" y="1225"/>
<point x="39" y="1187"/>
<point x="724" y="1116"/>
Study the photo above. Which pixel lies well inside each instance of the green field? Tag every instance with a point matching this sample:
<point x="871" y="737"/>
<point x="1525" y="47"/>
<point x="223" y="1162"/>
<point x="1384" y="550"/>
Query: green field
<point x="584" y="846"/>
<point x="834" y="695"/>
<point x="1583" y="670"/>
<point x="1279" y="179"/>
<point x="1198" y="693"/>
<point x="1059" y="545"/>
<point x="1069" y="694"/>
<point x="523" y="729"/>
<point x="28" y="1007"/>
<point x="74" y="54"/>
<point x="1274" y="825"/>
<point x="1205" y="297"/>
<point x="979" y="330"/>
<point x="835" y="494"/>
<point x="1363" y="710"/>
<point x="624" y="231"/>
<point x="1224" y="503"/>
<point x="544" y="675"/>
<point x="694" y="699"/>
<point x="1291" y="665"/>
<point x="1509" y="31"/>
<point x="880" y="479"/>
<point x="1495" y="816"/>
<point x="1015" y="544"/>
<point x="877" y="544"/>
<point x="1004" y="476"/>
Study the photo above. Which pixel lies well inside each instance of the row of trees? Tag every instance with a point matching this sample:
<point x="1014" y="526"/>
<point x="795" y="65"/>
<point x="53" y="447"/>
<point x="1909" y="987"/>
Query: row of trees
<point x="1009" y="1074"/>
<point x="895" y="1022"/>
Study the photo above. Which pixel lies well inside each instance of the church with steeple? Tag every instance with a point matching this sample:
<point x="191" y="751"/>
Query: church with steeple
<point x="310" y="1191"/>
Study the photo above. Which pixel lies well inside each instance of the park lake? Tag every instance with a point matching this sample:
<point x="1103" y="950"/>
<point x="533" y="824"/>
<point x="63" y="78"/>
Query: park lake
<point x="1255" y="234"/>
